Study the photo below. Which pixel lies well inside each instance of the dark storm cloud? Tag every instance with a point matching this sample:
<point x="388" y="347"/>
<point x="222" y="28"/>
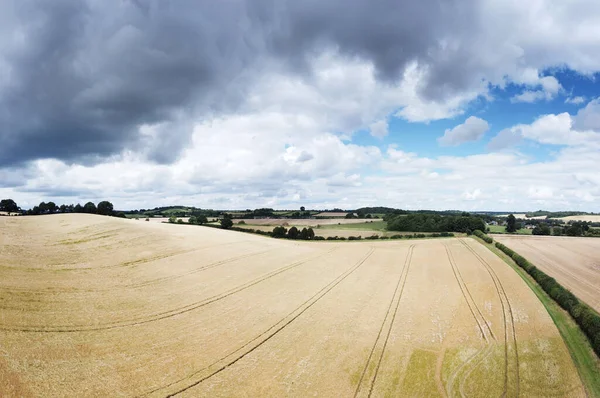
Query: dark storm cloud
<point x="78" y="78"/>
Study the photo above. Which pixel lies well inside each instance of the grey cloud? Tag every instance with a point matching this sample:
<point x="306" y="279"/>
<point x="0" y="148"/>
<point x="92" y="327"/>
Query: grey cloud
<point x="506" y="138"/>
<point x="588" y="118"/>
<point x="78" y="78"/>
<point x="471" y="130"/>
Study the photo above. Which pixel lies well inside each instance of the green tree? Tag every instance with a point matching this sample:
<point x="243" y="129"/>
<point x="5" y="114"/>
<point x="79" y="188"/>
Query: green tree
<point x="293" y="233"/>
<point x="9" y="205"/>
<point x="511" y="224"/>
<point x="541" y="229"/>
<point x="201" y="219"/>
<point x="90" y="207"/>
<point x="226" y="223"/>
<point x="304" y="234"/>
<point x="302" y="208"/>
<point x="279" y="232"/>
<point x="105" y="208"/>
<point x="172" y="219"/>
<point x="311" y="233"/>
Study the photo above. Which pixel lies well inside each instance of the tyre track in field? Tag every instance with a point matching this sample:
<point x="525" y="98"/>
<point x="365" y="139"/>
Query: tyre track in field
<point x="485" y="351"/>
<point x="396" y="297"/>
<point x="507" y="317"/>
<point x="469" y="297"/>
<point x="171" y="313"/>
<point x="131" y="263"/>
<point x="140" y="284"/>
<point x="249" y="347"/>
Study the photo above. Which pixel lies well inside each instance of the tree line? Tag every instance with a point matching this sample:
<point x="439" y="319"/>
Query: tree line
<point x="430" y="222"/>
<point x="104" y="207"/>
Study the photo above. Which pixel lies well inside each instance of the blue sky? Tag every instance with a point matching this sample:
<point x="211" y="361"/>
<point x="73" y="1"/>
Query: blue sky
<point x="486" y="106"/>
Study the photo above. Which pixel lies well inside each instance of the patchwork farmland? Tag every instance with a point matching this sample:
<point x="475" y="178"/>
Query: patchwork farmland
<point x="99" y="306"/>
<point x="573" y="262"/>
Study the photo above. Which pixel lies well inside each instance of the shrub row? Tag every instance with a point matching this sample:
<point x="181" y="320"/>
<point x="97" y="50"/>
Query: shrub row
<point x="483" y="236"/>
<point x="587" y="319"/>
<point x="405" y="236"/>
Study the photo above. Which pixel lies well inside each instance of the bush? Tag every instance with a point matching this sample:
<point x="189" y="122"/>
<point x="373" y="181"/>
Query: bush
<point x="293" y="233"/>
<point x="484" y="237"/>
<point x="242" y="222"/>
<point x="279" y="232"/>
<point x="172" y="219"/>
<point x="318" y="238"/>
<point x="587" y="319"/>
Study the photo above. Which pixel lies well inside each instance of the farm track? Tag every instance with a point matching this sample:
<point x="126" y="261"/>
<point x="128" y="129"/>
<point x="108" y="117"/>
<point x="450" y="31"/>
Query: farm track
<point x="484" y="351"/>
<point x="170" y="313"/>
<point x="507" y="314"/>
<point x="396" y="297"/>
<point x="234" y="356"/>
<point x="141" y="284"/>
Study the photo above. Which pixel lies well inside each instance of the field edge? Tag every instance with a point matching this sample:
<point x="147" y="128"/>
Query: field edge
<point x="584" y="358"/>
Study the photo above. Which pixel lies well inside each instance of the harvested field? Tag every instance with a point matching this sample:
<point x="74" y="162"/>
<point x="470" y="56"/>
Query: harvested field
<point x="331" y="214"/>
<point x="99" y="306"/>
<point x="302" y="222"/>
<point x="588" y="218"/>
<point x="574" y="262"/>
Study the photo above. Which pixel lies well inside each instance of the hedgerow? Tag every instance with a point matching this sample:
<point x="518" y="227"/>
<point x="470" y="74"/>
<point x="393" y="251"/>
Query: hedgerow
<point x="587" y="319"/>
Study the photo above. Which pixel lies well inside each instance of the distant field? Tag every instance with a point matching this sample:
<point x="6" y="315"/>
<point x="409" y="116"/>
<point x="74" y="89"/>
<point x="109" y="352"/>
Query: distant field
<point x="366" y="226"/>
<point x="573" y="262"/>
<point x="332" y="214"/>
<point x="302" y="222"/>
<point x="501" y="229"/>
<point x="588" y="218"/>
<point x="100" y="306"/>
<point x="523" y="216"/>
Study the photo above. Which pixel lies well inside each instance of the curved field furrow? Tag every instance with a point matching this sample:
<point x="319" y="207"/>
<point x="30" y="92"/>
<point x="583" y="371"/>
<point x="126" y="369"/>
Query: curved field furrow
<point x="145" y="283"/>
<point x="486" y="332"/>
<point x="508" y="319"/>
<point x="387" y="324"/>
<point x="165" y="314"/>
<point x="204" y="374"/>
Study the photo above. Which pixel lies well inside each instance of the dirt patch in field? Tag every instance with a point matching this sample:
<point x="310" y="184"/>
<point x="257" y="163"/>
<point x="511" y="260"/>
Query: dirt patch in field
<point x="158" y="309"/>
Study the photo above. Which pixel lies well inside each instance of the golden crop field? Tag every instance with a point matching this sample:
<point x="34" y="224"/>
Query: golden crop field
<point x="100" y="306"/>
<point x="573" y="261"/>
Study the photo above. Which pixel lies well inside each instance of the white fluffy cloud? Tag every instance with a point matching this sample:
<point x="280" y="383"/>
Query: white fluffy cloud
<point x="583" y="129"/>
<point x="379" y="129"/>
<point x="549" y="87"/>
<point x="575" y="100"/>
<point x="288" y="138"/>
<point x="471" y="130"/>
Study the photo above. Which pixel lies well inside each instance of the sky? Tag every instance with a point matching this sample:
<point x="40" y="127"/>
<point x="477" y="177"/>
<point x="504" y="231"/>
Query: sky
<point x="234" y="104"/>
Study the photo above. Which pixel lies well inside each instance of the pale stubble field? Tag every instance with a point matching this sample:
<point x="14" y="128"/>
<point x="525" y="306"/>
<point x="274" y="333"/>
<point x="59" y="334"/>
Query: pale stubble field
<point x="98" y="306"/>
<point x="573" y="261"/>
